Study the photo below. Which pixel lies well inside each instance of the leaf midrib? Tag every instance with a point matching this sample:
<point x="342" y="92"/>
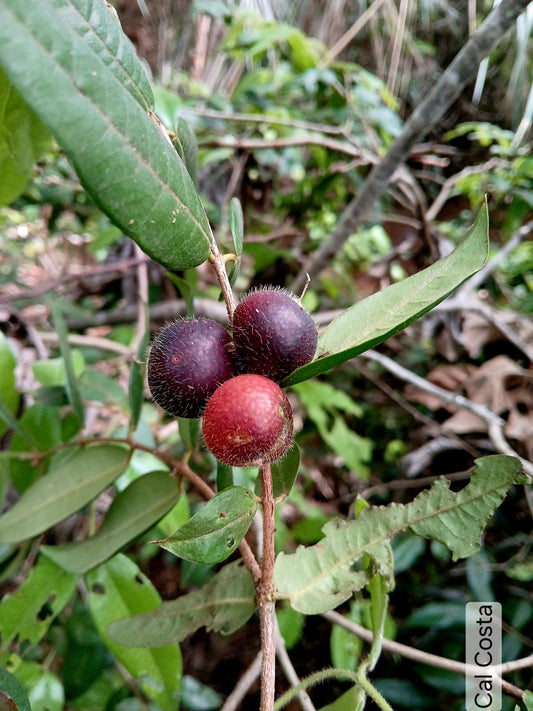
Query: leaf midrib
<point x="108" y="123"/>
<point x="390" y="533"/>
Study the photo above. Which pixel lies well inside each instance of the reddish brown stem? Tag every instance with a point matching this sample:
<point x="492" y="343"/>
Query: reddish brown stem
<point x="265" y="591"/>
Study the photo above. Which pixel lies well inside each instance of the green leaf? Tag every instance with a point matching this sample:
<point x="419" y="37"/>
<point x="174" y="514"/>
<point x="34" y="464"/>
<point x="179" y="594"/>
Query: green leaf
<point x="23" y="139"/>
<point x="352" y="700"/>
<point x="376" y="318"/>
<point x="28" y="613"/>
<point x="70" y="372"/>
<point x="102" y="32"/>
<point x="528" y="700"/>
<point x="213" y="533"/>
<point x="45" y="690"/>
<point x="12" y="691"/>
<point x="185" y="144"/>
<point x="9" y="397"/>
<point x="223" y="605"/>
<point x="119" y="588"/>
<point x="284" y="473"/>
<point x="53" y="371"/>
<point x="320" y="577"/>
<point x="128" y="166"/>
<point x="134" y="510"/>
<point x="67" y="487"/>
<point x="236" y="224"/>
<point x="322" y="403"/>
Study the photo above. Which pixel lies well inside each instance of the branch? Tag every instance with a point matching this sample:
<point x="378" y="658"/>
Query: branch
<point x="495" y="423"/>
<point x="423" y="118"/>
<point x="432" y="660"/>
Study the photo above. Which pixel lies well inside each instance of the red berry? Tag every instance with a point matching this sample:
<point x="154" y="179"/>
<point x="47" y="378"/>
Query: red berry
<point x="248" y="421"/>
<point x="273" y="334"/>
<point x="188" y="360"/>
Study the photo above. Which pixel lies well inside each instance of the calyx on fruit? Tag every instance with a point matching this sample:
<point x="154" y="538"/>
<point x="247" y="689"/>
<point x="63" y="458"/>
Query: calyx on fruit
<point x="248" y="421"/>
<point x="188" y="360"/>
<point x="272" y="333"/>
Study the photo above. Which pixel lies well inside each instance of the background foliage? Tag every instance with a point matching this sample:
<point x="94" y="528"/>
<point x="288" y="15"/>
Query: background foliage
<point x="290" y="113"/>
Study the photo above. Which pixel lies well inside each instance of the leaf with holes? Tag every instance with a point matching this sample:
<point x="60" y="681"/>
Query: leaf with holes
<point x="28" y="612"/>
<point x="320" y="577"/>
<point x="213" y="533"/>
<point x="118" y="588"/>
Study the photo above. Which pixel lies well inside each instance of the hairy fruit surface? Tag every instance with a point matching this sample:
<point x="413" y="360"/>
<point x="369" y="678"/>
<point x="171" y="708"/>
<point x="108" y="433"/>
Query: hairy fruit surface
<point x="248" y="421"/>
<point x="188" y="360"/>
<point x="273" y="334"/>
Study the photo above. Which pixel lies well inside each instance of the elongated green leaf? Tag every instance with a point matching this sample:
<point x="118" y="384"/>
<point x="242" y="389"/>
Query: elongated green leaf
<point x="99" y="27"/>
<point x="67" y="487"/>
<point x="372" y="320"/>
<point x="236" y="224"/>
<point x="121" y="155"/>
<point x="119" y="588"/>
<point x="137" y="508"/>
<point x="223" y="605"/>
<point x="23" y="139"/>
<point x="320" y="577"/>
<point x="185" y="143"/>
<point x="213" y="533"/>
<point x="73" y="391"/>
<point x="28" y="613"/>
<point x="8" y="393"/>
<point x="284" y="473"/>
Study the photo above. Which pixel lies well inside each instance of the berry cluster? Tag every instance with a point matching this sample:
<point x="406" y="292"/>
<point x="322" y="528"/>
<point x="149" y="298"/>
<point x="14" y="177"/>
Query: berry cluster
<point x="195" y="367"/>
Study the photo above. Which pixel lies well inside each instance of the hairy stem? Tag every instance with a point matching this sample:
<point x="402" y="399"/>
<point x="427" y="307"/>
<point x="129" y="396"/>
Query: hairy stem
<point x="219" y="265"/>
<point x="265" y="589"/>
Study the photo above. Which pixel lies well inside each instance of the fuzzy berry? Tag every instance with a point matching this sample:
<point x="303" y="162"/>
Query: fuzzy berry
<point x="248" y="421"/>
<point x="188" y="360"/>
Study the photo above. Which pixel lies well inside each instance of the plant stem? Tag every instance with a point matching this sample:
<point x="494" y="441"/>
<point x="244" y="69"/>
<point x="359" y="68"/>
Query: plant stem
<point x="219" y="265"/>
<point x="265" y="591"/>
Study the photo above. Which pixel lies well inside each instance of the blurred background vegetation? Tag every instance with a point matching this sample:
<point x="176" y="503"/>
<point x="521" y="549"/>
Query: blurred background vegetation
<point x="291" y="104"/>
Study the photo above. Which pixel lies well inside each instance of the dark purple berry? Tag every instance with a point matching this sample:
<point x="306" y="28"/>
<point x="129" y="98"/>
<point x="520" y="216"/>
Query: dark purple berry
<point x="188" y="360"/>
<point x="273" y="334"/>
<point x="248" y="421"/>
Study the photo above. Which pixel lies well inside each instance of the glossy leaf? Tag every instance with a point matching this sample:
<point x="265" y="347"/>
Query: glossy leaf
<point x="128" y="166"/>
<point x="119" y="588"/>
<point x="101" y="31"/>
<point x="222" y="605"/>
<point x="28" y="613"/>
<point x="23" y="139"/>
<point x="134" y="510"/>
<point x="381" y="315"/>
<point x="213" y="533"/>
<point x="321" y="577"/>
<point x="69" y="485"/>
